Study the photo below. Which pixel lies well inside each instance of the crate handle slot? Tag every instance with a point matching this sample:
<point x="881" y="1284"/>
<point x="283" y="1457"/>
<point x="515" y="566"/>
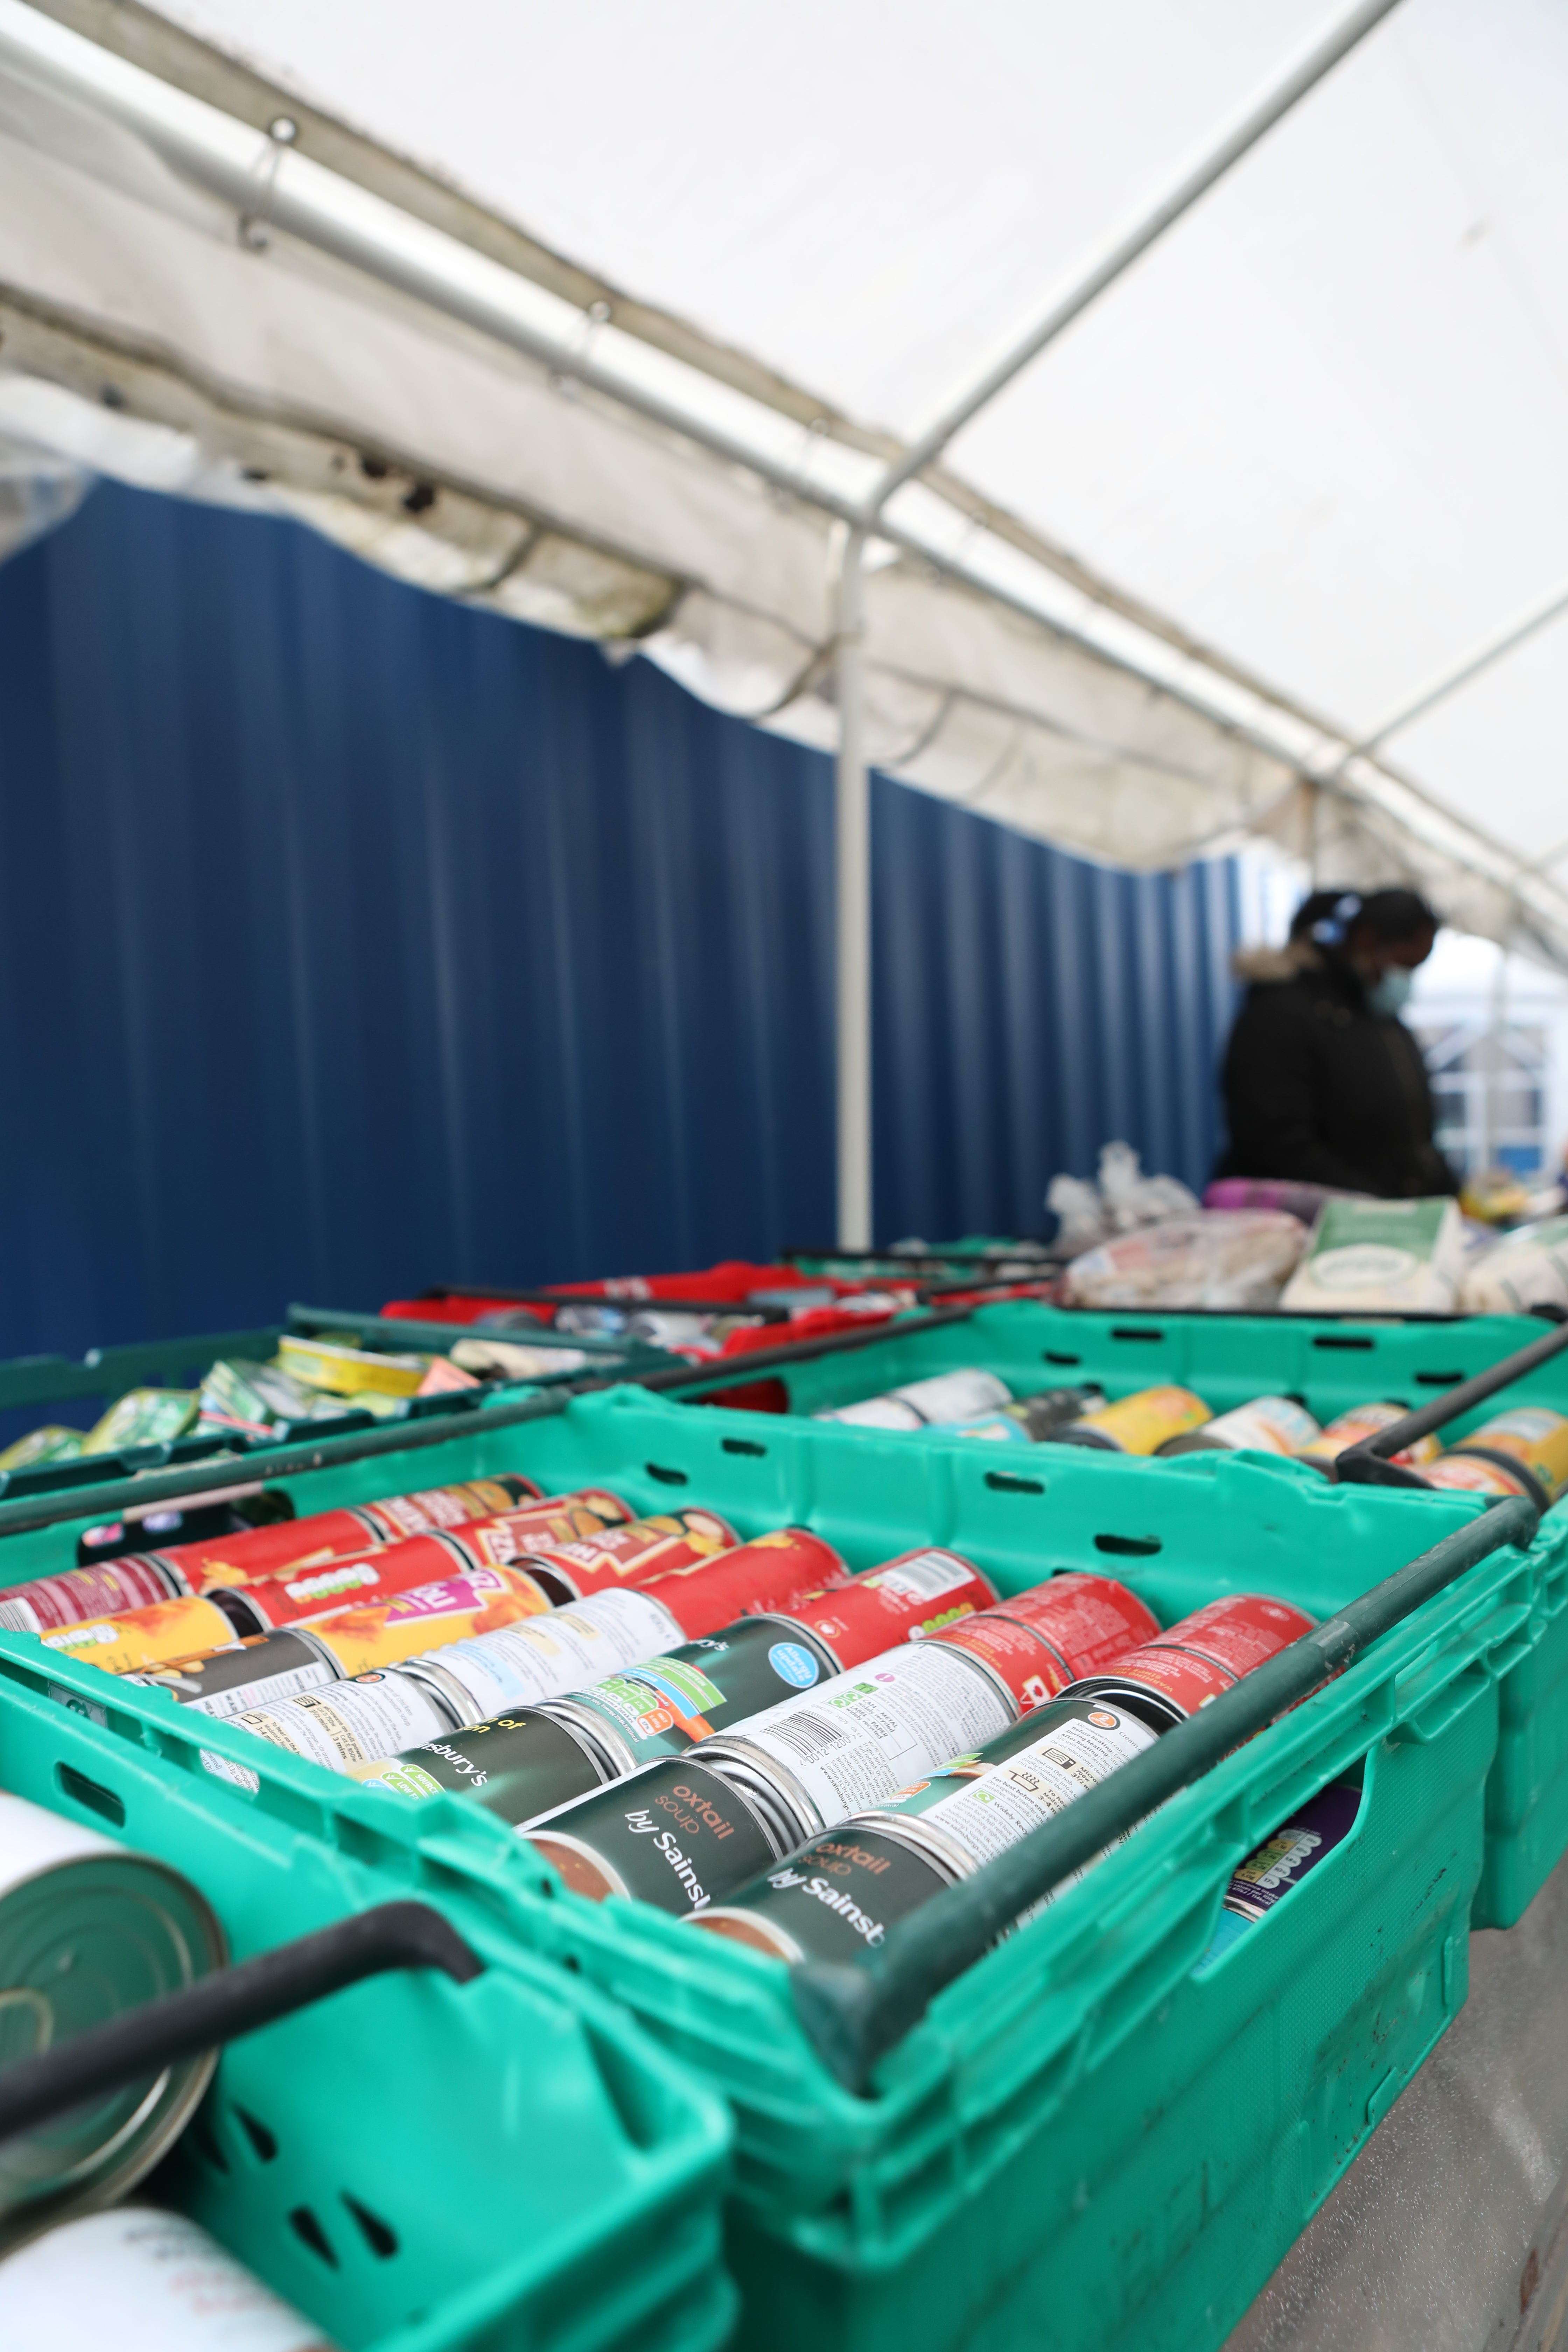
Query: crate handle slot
<point x="1340" y="1340"/>
<point x="667" y="1476"/>
<point x="90" y="1793"/>
<point x="1134" y="1331"/>
<point x="743" y="1445"/>
<point x="1130" y="1547"/>
<point x="853" y="2012"/>
<point x="1368" y="1464"/>
<point x="1006" y="1482"/>
<point x="1057" y="1356"/>
<point x="229" y="2002"/>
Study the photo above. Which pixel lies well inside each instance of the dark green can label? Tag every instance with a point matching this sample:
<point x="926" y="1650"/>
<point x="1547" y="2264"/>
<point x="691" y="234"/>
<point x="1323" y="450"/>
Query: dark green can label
<point x="516" y="1765"/>
<point x="837" y="1897"/>
<point x="675" y="1835"/>
<point x="667" y="1705"/>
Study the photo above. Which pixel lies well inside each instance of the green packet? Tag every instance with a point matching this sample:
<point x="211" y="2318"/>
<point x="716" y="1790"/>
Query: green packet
<point x="143" y="1417"/>
<point x="51" y="1444"/>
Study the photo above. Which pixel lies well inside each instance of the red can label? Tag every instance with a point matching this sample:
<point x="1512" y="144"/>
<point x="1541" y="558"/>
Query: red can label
<point x="1023" y="1662"/>
<point x="325" y="1589"/>
<point x="503" y="1536"/>
<point x="635" y="1553"/>
<point x="1088" y="1619"/>
<point x="440" y="1506"/>
<point x="907" y="1600"/>
<point x="52" y="1601"/>
<point x="1210" y="1651"/>
<point x="769" y="1574"/>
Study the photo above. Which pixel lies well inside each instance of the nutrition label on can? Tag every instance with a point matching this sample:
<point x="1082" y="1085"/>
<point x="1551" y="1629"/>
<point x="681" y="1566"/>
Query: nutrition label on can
<point x="1074" y="1756"/>
<point x="350" y="1723"/>
<point x="867" y="1733"/>
<point x="561" y="1651"/>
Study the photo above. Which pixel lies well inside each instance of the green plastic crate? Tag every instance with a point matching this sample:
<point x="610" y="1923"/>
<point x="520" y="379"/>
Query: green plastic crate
<point x="1078" y="2137"/>
<point x="376" y="2158"/>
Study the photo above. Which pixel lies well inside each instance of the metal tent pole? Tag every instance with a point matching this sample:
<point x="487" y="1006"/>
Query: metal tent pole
<point x="852" y="888"/>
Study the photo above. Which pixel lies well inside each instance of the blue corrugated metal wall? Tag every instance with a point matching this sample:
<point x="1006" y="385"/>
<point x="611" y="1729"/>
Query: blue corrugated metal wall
<point x="351" y="940"/>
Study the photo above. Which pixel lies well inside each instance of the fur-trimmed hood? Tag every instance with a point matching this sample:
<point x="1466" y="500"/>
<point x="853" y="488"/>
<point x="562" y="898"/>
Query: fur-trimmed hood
<point x="1262" y="966"/>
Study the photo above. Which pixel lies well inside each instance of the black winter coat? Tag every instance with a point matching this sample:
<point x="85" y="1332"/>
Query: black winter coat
<point x="1321" y="1088"/>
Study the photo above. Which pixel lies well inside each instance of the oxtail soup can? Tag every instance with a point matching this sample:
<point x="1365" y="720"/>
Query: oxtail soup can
<point x="1530" y="1441"/>
<point x="142" y="2280"/>
<point x="905" y="1599"/>
<point x="850" y="1742"/>
<point x="493" y="1684"/>
<point x="89" y="1929"/>
<point x="1268" y="1424"/>
<point x="1141" y="1423"/>
<point x="839" y="1895"/>
<point x="923" y="1404"/>
<point x="1202" y="1655"/>
<point x="674" y="1835"/>
<point x="251" y="1554"/>
<point x="1355" y="1425"/>
<point x="1054" y="1634"/>
<point x="633" y="1553"/>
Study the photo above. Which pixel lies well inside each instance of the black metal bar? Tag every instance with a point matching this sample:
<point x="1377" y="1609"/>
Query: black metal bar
<point x="855" y="2012"/>
<point x="1368" y="1463"/>
<point x="231" y="2002"/>
<point x="556" y="1299"/>
<point x="396" y="1331"/>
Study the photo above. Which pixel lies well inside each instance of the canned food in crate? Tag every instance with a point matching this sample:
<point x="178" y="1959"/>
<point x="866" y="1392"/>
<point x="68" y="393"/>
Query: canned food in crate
<point x="829" y="1752"/>
<point x="519" y="1665"/>
<point x="770" y="1572"/>
<point x="352" y="1722"/>
<point x="90" y="1928"/>
<point x="632" y="1554"/>
<point x="1531" y="1440"/>
<point x="665" y="1704"/>
<point x="1359" y="1423"/>
<point x="922" y="1404"/>
<point x="671" y="1835"/>
<point x="1269" y="1424"/>
<point x="1467" y="1473"/>
<point x="256" y="1674"/>
<point x="1280" y="1863"/>
<point x="1054" y="1634"/>
<point x="157" y="1635"/>
<point x="518" y="1766"/>
<point x="1141" y="1423"/>
<point x="1206" y="1653"/>
<point x="905" y="1599"/>
<point x="841" y="1893"/>
<point x="1029" y="1420"/>
<point x="476" y="1602"/>
<point x="142" y="2281"/>
<point x="77" y="1595"/>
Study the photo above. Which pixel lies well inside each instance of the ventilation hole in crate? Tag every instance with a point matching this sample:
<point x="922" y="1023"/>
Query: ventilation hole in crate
<point x="1055" y="1356"/>
<point x="743" y="1446"/>
<point x="1438" y="1380"/>
<point x="569" y="1960"/>
<point x="203" y="2139"/>
<point x="1130" y="1547"/>
<point x="87" y="1793"/>
<point x="666" y="1478"/>
<point x="1339" y="1339"/>
<point x="1294" y="1396"/>
<point x="1006" y="1483"/>
<point x="378" y="2235"/>
<point x="1136" y="1331"/>
<point x="264" y="2142"/>
<point x="304" y="2224"/>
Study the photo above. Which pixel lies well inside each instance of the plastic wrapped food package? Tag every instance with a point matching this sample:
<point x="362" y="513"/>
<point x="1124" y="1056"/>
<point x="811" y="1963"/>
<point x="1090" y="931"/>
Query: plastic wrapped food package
<point x="1221" y="1257"/>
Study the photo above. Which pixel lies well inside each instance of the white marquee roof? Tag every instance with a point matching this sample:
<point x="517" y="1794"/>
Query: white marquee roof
<point x="1299" y="466"/>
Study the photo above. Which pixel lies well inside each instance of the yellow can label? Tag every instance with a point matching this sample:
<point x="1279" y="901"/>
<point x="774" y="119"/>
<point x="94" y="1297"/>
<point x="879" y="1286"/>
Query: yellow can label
<point x="1534" y="1435"/>
<point x="1362" y="1421"/>
<point x="159" y="1635"/>
<point x="1143" y="1422"/>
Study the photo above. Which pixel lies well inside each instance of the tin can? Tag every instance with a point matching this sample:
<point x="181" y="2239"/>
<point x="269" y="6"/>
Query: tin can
<point x="157" y="1635"/>
<point x="840" y="1896"/>
<point x="674" y="1835"/>
<point x="1206" y="1653"/>
<point x="141" y="1931"/>
<point x="1360" y="1421"/>
<point x="633" y="1553"/>
<point x="1469" y="1474"/>
<point x="77" y="1595"/>
<point x="1029" y="1420"/>
<point x="517" y="1765"/>
<point x="518" y="1666"/>
<point x="256" y="1674"/>
<point x="1054" y="1634"/>
<point x="1141" y="1423"/>
<point x="351" y="1722"/>
<point x="771" y="1571"/>
<point x="833" y="1751"/>
<point x="921" y="1404"/>
<point x="1269" y="1424"/>
<point x="665" y="1704"/>
<point x="500" y="1538"/>
<point x="1280" y="1863"/>
<point x="1533" y="1439"/>
<point x="905" y="1599"/>
<point x="479" y="1601"/>
<point x="143" y="2281"/>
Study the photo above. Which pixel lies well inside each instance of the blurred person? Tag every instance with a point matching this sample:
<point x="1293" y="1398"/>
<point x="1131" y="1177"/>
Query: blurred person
<point x="1322" y="1081"/>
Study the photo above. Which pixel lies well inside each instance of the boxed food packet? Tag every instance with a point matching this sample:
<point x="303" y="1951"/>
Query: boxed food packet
<point x="1221" y="1257"/>
<point x="1529" y="1268"/>
<point x="1380" y="1257"/>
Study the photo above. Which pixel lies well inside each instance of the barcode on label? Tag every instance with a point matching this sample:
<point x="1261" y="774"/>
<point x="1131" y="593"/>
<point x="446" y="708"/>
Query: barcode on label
<point x="925" y="1578"/>
<point x="808" y="1736"/>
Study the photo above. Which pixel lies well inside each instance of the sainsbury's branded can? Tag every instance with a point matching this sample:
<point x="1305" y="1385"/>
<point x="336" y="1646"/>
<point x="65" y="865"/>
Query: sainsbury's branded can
<point x="1141" y="1423"/>
<point x="1268" y="1424"/>
<point x="840" y="1894"/>
<point x="1206" y="1653"/>
<point x="1357" y="1423"/>
<point x="672" y="1835"/>
<point x="518" y="1765"/>
<point x="1041" y="1639"/>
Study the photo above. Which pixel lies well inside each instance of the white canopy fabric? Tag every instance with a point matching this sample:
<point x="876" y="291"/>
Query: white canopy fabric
<point x="1299" y="466"/>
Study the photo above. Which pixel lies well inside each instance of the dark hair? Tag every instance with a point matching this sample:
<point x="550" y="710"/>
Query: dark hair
<point x="1318" y="908"/>
<point x="1394" y="914"/>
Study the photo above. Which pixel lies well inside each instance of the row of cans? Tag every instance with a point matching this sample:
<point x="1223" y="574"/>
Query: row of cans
<point x="1524" y="1451"/>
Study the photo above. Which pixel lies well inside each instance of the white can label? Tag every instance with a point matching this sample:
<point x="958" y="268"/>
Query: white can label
<point x="876" y="1412"/>
<point x="518" y="1666"/>
<point x="224" y="1705"/>
<point x="950" y="1396"/>
<point x="866" y="1734"/>
<point x="1002" y="1805"/>
<point x="350" y="1723"/>
<point x="144" y="2282"/>
<point x="924" y="1577"/>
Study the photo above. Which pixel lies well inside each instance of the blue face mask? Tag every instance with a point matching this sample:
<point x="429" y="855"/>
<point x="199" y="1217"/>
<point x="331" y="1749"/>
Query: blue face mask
<point x="1391" y="992"/>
